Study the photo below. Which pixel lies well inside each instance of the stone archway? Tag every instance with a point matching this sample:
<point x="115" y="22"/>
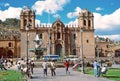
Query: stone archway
<point x="9" y="54"/>
<point x="58" y="49"/>
<point x="74" y="52"/>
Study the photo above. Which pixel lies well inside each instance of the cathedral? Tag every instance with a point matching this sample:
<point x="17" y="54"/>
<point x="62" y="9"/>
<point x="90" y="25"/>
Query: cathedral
<point x="58" y="38"/>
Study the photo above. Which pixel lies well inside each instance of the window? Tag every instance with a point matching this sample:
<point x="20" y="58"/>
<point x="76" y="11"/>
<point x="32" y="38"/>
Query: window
<point x="87" y="41"/>
<point x="9" y="44"/>
<point x="58" y="25"/>
<point x="30" y="23"/>
<point x="84" y="22"/>
<point x="40" y="36"/>
<point x="25" y="22"/>
<point x="107" y="46"/>
<point x="50" y="37"/>
<point x="58" y="35"/>
<point x="89" y="23"/>
<point x="74" y="36"/>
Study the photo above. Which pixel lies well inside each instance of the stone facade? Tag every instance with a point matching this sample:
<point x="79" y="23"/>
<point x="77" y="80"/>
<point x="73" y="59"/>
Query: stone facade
<point x="106" y="48"/>
<point x="59" y="39"/>
<point x="9" y="43"/>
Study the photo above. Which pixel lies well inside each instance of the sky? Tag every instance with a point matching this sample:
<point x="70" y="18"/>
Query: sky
<point x="106" y="13"/>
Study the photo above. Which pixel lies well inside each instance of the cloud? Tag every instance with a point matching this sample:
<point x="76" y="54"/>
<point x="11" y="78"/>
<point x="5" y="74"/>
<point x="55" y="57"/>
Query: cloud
<point x="107" y="21"/>
<point x="73" y="23"/>
<point x="11" y="12"/>
<point x="37" y="22"/>
<point x="56" y="16"/>
<point x="75" y="13"/>
<point x="49" y="6"/>
<point x="99" y="9"/>
<point x="101" y="22"/>
<point x="112" y="37"/>
<point x="6" y="4"/>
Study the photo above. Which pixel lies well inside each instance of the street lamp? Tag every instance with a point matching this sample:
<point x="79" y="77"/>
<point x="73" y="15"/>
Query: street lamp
<point x="81" y="33"/>
<point x="97" y="48"/>
<point x="27" y="29"/>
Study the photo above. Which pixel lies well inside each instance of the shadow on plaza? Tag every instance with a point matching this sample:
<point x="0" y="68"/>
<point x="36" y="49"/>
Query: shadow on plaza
<point x="111" y="76"/>
<point x="39" y="76"/>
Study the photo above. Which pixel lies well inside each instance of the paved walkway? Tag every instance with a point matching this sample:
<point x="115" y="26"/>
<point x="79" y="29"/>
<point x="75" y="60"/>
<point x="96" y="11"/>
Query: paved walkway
<point x="61" y="76"/>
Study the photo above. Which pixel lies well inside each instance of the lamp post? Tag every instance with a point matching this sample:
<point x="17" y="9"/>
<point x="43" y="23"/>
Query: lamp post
<point x="27" y="29"/>
<point x="82" y="68"/>
<point x="97" y="48"/>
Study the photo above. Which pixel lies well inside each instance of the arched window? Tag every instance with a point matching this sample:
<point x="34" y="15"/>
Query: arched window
<point x="89" y="23"/>
<point x="87" y="41"/>
<point x="58" y="35"/>
<point x="25" y="22"/>
<point x="30" y="22"/>
<point x="74" y="51"/>
<point x="84" y="22"/>
<point x="74" y="36"/>
<point x="40" y="36"/>
<point x="9" y="44"/>
<point x="58" y="25"/>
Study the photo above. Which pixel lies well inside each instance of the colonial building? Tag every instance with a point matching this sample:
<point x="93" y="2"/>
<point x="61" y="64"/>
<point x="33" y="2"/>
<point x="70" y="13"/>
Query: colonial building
<point x="106" y="48"/>
<point x="58" y="38"/>
<point x="9" y="43"/>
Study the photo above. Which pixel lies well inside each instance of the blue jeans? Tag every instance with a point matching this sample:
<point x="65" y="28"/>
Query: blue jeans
<point x="45" y="71"/>
<point x="95" y="72"/>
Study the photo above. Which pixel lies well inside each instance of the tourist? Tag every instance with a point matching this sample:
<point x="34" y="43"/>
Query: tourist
<point x="45" y="66"/>
<point x="53" y="68"/>
<point x="66" y="64"/>
<point x="96" y="68"/>
<point x="19" y="66"/>
<point x="2" y="67"/>
<point x="31" y="66"/>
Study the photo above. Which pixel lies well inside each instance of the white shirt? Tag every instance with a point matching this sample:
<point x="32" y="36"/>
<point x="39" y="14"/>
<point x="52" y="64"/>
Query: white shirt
<point x="44" y="64"/>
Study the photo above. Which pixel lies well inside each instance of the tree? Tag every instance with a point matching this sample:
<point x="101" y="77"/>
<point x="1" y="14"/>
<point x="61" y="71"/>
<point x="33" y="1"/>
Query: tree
<point x="12" y="22"/>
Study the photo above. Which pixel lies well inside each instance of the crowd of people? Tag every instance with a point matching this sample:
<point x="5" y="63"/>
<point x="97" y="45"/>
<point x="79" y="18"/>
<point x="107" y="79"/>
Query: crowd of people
<point x="51" y="64"/>
<point x="29" y="69"/>
<point x="6" y="63"/>
<point x="98" y="69"/>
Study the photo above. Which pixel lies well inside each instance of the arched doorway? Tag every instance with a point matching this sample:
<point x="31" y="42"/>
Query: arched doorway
<point x="58" y="49"/>
<point x="9" y="54"/>
<point x="74" y="51"/>
<point x="3" y="52"/>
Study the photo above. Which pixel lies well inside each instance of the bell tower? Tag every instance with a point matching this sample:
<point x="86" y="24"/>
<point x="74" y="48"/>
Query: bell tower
<point x="27" y="17"/>
<point x="86" y="26"/>
<point x="85" y="20"/>
<point x="27" y="27"/>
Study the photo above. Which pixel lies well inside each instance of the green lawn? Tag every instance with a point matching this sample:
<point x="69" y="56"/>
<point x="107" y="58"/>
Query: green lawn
<point x="112" y="74"/>
<point x="11" y="75"/>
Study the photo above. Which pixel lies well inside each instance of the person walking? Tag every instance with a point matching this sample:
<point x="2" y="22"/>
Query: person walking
<point x="31" y="66"/>
<point x="2" y="67"/>
<point x="96" y="68"/>
<point x="52" y="68"/>
<point x="19" y="66"/>
<point x="45" y="66"/>
<point x="66" y="64"/>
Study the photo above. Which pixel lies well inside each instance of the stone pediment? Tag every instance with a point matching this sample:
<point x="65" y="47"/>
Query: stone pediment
<point x="58" y="26"/>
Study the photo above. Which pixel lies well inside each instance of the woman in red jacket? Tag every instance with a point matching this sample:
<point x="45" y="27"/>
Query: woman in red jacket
<point x="66" y="64"/>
